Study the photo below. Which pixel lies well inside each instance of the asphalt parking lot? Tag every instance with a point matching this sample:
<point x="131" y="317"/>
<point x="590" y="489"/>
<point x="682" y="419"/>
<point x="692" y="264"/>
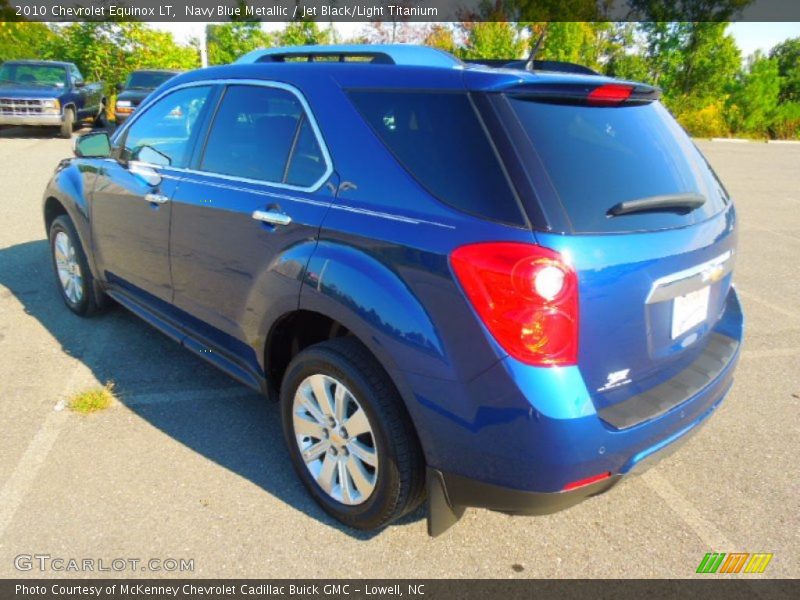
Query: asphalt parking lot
<point x="190" y="465"/>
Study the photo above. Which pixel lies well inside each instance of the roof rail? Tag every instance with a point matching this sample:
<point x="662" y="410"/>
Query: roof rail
<point x="538" y="65"/>
<point x="386" y="54"/>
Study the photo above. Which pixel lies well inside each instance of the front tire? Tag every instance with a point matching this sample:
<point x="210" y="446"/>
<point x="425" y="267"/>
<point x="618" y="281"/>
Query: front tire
<point x="349" y="437"/>
<point x="68" y="124"/>
<point x="77" y="286"/>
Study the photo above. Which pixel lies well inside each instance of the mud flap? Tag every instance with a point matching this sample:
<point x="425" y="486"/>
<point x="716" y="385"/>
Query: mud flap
<point x="441" y="514"/>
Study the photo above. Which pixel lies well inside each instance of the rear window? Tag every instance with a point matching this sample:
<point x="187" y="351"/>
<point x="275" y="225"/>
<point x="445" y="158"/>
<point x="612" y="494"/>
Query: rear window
<point x="597" y="157"/>
<point x="438" y="139"/>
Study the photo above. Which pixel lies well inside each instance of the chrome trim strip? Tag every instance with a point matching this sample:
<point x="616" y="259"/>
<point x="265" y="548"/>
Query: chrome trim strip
<point x="254" y="82"/>
<point x="686" y="281"/>
<point x="332" y="204"/>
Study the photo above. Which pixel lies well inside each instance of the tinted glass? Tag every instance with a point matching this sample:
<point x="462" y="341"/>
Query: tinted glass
<point x="597" y="157"/>
<point x="164" y="133"/>
<point x="147" y="81"/>
<point x="437" y="137"/>
<point x="307" y="164"/>
<point x="253" y="133"/>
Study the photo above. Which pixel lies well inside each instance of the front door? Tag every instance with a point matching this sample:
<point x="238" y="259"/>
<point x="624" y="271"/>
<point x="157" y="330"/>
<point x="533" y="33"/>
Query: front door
<point x="131" y="201"/>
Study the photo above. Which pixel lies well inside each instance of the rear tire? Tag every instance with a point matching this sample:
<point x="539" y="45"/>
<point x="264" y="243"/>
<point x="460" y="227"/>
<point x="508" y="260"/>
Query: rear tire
<point x="365" y="477"/>
<point x="68" y="124"/>
<point x="74" y="279"/>
<point x="101" y="120"/>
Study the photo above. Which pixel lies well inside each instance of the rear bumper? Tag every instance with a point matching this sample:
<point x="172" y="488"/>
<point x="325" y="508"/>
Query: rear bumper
<point x="32" y="120"/>
<point x="524" y="434"/>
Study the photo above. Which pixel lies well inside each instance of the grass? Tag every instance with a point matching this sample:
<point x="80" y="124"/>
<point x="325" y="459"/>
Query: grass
<point x="93" y="400"/>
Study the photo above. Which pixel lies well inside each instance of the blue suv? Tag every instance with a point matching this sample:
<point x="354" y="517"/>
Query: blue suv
<point x="487" y="287"/>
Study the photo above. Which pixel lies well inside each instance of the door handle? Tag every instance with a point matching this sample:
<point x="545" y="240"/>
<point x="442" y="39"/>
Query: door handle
<point x="156" y="198"/>
<point x="272" y="217"/>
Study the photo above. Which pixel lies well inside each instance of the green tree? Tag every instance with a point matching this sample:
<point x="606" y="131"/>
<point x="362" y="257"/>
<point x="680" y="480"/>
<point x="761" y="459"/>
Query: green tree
<point x="228" y="41"/>
<point x="24" y="40"/>
<point x="754" y="100"/>
<point x="441" y="36"/>
<point x="787" y="54"/>
<point x="303" y="33"/>
<point x="492" y="39"/>
<point x="692" y="62"/>
<point x="109" y="51"/>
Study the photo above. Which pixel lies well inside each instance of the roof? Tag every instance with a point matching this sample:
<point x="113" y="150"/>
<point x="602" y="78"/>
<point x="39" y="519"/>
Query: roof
<point x="49" y="63"/>
<point x="175" y="71"/>
<point x="393" y="66"/>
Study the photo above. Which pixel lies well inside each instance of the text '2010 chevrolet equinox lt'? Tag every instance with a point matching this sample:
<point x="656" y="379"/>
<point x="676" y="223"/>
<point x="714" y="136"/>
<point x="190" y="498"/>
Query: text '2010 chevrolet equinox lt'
<point x="487" y="287"/>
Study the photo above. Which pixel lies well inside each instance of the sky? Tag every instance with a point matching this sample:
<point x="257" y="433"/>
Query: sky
<point x="750" y="36"/>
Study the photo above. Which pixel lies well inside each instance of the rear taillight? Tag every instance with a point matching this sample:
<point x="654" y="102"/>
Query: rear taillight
<point x="526" y="295"/>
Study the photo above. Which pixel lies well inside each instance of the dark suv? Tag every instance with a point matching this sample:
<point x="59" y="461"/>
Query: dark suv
<point x="490" y="287"/>
<point x="136" y="88"/>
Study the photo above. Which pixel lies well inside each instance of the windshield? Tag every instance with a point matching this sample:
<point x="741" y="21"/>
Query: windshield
<point x="148" y="81"/>
<point x="598" y="157"/>
<point x="24" y="74"/>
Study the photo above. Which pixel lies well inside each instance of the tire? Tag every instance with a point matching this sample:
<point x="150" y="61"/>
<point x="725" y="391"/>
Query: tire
<point x="397" y="479"/>
<point x="77" y="286"/>
<point x="101" y="120"/>
<point x="68" y="124"/>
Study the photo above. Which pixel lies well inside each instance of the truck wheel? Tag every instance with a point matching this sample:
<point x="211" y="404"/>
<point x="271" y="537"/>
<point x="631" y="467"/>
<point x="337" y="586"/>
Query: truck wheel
<point x="68" y="123"/>
<point x="101" y="120"/>
<point x="78" y="288"/>
<point x="349" y="437"/>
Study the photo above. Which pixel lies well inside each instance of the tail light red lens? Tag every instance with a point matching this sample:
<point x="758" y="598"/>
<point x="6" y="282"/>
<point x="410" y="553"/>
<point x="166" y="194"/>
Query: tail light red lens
<point x="526" y="295"/>
<point x="610" y="93"/>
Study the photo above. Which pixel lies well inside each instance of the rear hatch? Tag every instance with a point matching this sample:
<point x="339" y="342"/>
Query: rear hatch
<point x="619" y="189"/>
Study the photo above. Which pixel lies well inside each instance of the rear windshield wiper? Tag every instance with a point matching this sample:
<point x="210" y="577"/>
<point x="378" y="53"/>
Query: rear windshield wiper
<point x="680" y="203"/>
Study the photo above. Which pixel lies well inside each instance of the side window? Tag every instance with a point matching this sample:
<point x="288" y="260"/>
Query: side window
<point x="163" y="134"/>
<point x="263" y="133"/>
<point x="439" y="140"/>
<point x="75" y="74"/>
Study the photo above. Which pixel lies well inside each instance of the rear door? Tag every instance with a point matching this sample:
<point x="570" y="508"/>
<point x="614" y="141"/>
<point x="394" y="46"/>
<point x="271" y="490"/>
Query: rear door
<point x="257" y="191"/>
<point x="653" y="279"/>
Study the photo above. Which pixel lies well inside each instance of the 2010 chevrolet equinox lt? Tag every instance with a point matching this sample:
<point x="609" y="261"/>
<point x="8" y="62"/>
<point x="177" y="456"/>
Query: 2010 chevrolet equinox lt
<point x="486" y="287"/>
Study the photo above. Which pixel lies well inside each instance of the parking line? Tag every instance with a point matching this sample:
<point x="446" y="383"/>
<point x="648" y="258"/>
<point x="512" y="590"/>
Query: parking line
<point x="21" y="479"/>
<point x="712" y="537"/>
<point x="784" y="311"/>
<point x="771" y="353"/>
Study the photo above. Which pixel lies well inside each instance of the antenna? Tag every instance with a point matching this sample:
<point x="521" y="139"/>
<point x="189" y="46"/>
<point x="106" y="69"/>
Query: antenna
<point x="535" y="49"/>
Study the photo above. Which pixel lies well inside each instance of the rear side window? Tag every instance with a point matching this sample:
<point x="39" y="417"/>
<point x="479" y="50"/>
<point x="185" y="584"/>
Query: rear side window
<point x="263" y="133"/>
<point x="438" y="139"/>
<point x="597" y="157"/>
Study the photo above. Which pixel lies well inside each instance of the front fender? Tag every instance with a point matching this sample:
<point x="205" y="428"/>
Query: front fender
<point x="71" y="186"/>
<point x="375" y="304"/>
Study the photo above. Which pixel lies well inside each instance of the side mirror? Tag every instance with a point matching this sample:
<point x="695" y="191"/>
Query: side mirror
<point x="80" y="84"/>
<point x="93" y="145"/>
<point x="119" y="87"/>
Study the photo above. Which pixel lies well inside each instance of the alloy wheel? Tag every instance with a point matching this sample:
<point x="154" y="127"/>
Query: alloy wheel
<point x="335" y="439"/>
<point x="68" y="267"/>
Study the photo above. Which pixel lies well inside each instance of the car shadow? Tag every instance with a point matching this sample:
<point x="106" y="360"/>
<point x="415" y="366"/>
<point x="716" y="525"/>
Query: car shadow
<point x="168" y="386"/>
